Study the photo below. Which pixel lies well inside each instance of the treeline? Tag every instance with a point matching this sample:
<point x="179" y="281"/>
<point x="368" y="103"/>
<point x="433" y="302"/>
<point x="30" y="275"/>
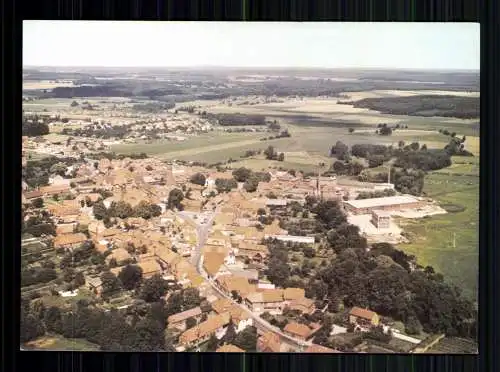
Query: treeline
<point x="153" y="107"/>
<point x="123" y="209"/>
<point x="237" y="119"/>
<point x="423" y="105"/>
<point x="115" y="156"/>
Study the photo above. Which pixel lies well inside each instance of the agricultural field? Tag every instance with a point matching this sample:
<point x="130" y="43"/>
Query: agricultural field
<point x="449" y="242"/>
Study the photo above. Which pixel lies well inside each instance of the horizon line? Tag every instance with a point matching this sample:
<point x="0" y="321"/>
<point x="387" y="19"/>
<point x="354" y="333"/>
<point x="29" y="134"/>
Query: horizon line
<point x="259" y="67"/>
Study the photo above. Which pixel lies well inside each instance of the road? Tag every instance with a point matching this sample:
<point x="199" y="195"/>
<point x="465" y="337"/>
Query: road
<point x="202" y="232"/>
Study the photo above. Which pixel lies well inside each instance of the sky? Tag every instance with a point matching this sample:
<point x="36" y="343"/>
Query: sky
<point x="440" y="46"/>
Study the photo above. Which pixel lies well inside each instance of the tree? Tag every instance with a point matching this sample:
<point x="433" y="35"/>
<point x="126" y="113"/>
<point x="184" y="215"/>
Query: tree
<point x="99" y="210"/>
<point x="413" y="326"/>
<point x="351" y="130"/>
<point x="31" y="327"/>
<point x="385" y="131"/>
<point x="130" y="276"/>
<point x="110" y="283"/>
<point x="191" y="298"/>
<point x="414" y="146"/>
<point x="190" y="322"/>
<point x="212" y="343"/>
<point x="149" y="168"/>
<point x="79" y="279"/>
<point x="339" y="150"/>
<point x="223" y="185"/>
<point x="175" y="198"/>
<point x="270" y="153"/>
<point x="247" y="339"/>
<point x="53" y="319"/>
<point x="121" y="209"/>
<point x="74" y="104"/>
<point x="424" y="147"/>
<point x="242" y="174"/>
<point x="153" y="289"/>
<point x="198" y="179"/>
<point x="230" y="334"/>
<point x="147" y="210"/>
<point x="281" y="157"/>
<point x="37" y="203"/>
<point x="261" y="211"/>
<point x="251" y="184"/>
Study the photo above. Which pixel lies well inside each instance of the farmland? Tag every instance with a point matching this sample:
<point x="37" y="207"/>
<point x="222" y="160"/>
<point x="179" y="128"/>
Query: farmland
<point x="57" y="342"/>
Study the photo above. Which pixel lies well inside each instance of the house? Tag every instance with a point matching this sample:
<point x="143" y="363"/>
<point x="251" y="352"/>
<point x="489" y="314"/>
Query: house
<point x="301" y="331"/>
<point x="229" y="348"/>
<point x="293" y="294"/>
<point x="120" y="255"/>
<point x="66" y="228"/>
<point x="54" y="190"/>
<point x="202" y="332"/>
<point x="239" y="317"/>
<point x="69" y="241"/>
<point x="29" y="195"/>
<point x="229" y="283"/>
<point x="304" y="305"/>
<point x="178" y="320"/>
<point x="212" y="262"/>
<point x="269" y="342"/>
<point x="95" y="285"/>
<point x="150" y="267"/>
<point x="363" y="317"/>
<point x="314" y="348"/>
<point x="267" y="300"/>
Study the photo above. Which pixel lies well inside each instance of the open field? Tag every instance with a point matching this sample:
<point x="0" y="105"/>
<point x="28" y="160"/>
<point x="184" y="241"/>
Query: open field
<point x="44" y="84"/>
<point x="57" y="342"/>
<point x="449" y="242"/>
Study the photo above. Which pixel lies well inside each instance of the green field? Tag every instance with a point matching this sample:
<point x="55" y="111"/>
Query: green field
<point x="450" y="242"/>
<point x="58" y="342"/>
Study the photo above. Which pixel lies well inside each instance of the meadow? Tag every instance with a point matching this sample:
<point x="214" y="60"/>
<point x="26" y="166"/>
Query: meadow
<point x="450" y="242"/>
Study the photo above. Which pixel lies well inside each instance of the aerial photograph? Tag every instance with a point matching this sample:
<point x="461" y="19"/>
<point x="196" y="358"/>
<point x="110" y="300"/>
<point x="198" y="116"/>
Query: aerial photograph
<point x="250" y="187"/>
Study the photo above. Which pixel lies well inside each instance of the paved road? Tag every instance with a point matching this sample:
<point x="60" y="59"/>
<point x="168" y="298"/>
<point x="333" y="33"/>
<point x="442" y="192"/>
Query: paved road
<point x="202" y="232"/>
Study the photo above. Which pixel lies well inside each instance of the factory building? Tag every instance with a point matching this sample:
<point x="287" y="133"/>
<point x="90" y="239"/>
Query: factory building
<point x="389" y="203"/>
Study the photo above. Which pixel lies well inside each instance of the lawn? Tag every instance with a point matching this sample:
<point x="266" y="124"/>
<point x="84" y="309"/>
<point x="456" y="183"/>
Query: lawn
<point x="58" y="342"/>
<point x="449" y="242"/>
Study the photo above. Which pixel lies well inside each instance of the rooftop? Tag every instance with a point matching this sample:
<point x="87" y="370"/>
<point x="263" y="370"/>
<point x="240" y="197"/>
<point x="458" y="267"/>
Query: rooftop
<point x="382" y="202"/>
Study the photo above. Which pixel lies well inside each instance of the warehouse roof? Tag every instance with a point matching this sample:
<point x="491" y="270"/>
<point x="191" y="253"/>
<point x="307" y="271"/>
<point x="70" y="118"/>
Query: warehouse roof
<point x="381" y="202"/>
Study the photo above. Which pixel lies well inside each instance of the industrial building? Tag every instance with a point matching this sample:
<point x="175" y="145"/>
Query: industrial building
<point x="389" y="203"/>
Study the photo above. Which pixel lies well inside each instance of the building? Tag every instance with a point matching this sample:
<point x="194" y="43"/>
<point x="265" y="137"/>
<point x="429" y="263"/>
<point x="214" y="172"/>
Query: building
<point x="290" y="294"/>
<point x="269" y="342"/>
<point x="304" y="305"/>
<point x="363" y="317"/>
<point x="202" y="332"/>
<point x="95" y="285"/>
<point x="268" y="300"/>
<point x="292" y="238"/>
<point x="239" y="317"/>
<point x="69" y="241"/>
<point x="381" y="219"/>
<point x="150" y="267"/>
<point x="301" y="331"/>
<point x="178" y="320"/>
<point x="120" y="255"/>
<point x="314" y="348"/>
<point x="229" y="348"/>
<point x="66" y="228"/>
<point x="389" y="203"/>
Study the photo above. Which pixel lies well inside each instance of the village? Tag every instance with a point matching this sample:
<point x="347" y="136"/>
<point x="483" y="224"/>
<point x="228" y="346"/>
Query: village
<point x="206" y="231"/>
